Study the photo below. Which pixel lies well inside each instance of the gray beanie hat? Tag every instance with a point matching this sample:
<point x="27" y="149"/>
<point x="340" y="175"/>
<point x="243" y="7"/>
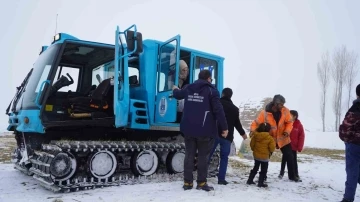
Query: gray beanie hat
<point x="279" y="99"/>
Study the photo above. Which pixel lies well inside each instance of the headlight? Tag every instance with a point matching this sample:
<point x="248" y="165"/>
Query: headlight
<point x="57" y="37"/>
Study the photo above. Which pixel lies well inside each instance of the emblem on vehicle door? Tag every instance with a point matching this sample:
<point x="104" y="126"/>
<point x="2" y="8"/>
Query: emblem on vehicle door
<point x="162" y="106"/>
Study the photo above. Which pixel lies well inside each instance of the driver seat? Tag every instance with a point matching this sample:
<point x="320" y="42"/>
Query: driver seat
<point x="101" y="100"/>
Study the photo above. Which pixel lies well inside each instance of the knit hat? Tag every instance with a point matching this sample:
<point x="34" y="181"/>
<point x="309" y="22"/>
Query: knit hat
<point x="358" y="90"/>
<point x="279" y="99"/>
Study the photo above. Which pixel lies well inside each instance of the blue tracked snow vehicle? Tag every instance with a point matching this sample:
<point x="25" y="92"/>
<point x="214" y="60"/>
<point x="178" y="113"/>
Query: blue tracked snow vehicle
<point x="90" y="114"/>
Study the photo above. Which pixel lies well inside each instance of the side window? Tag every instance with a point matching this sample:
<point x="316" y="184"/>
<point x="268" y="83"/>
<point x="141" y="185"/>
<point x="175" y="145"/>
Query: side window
<point x="161" y="81"/>
<point x="167" y="68"/>
<point x="43" y="77"/>
<point x="134" y="72"/>
<point x="134" y="76"/>
<point x="101" y="73"/>
<point x="73" y="72"/>
<point x="97" y="74"/>
<point x="205" y="63"/>
<point x="109" y="71"/>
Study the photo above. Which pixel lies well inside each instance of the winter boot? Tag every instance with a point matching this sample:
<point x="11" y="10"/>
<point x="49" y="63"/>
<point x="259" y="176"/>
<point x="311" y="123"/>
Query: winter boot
<point x="250" y="180"/>
<point x="187" y="186"/>
<point x="261" y="182"/>
<point x="344" y="200"/>
<point x="223" y="182"/>
<point x="295" y="179"/>
<point x="204" y="186"/>
<point x="281" y="175"/>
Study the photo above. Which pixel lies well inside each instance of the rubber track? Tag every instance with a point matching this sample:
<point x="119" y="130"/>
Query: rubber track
<point x="42" y="159"/>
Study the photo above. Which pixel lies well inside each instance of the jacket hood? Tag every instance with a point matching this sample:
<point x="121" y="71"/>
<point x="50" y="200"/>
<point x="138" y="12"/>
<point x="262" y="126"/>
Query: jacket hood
<point x="226" y="99"/>
<point x="260" y="135"/>
<point x="269" y="106"/>
<point x="297" y="122"/>
<point x="356" y="105"/>
<point x="357" y="101"/>
<point x="199" y="85"/>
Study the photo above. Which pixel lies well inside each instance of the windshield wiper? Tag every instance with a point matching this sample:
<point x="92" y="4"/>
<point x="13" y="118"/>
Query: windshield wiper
<point x="19" y="90"/>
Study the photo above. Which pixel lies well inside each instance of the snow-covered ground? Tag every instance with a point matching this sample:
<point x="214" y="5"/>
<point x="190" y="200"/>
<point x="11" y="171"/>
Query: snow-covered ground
<point x="323" y="180"/>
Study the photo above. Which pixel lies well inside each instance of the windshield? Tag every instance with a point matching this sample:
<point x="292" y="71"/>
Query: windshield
<point x="40" y="73"/>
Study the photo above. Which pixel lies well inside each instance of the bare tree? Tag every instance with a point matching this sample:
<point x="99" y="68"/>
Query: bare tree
<point x="339" y="70"/>
<point x="335" y="107"/>
<point x="323" y="72"/>
<point x="351" y="74"/>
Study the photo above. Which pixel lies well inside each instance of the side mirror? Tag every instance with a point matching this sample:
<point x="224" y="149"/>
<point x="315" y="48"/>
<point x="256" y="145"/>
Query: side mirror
<point x="131" y="39"/>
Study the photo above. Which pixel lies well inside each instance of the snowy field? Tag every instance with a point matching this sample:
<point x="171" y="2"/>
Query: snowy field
<point x="323" y="180"/>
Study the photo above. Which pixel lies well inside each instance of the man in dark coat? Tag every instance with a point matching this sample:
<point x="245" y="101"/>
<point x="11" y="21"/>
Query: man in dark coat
<point x="349" y="132"/>
<point x="202" y="111"/>
<point x="233" y="120"/>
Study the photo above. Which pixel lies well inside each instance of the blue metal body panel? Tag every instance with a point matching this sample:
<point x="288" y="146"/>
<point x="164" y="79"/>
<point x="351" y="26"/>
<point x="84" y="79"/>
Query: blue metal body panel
<point x="34" y="125"/>
<point x="156" y="108"/>
<point x="135" y="115"/>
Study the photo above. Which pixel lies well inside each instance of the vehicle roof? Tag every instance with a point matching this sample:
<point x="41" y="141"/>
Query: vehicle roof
<point x="68" y="38"/>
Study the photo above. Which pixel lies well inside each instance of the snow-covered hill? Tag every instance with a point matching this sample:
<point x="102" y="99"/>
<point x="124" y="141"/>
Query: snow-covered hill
<point x="250" y="108"/>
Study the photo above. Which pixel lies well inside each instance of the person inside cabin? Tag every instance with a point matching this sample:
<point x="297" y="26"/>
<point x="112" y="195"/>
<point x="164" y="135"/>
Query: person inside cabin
<point x="183" y="81"/>
<point x="183" y="74"/>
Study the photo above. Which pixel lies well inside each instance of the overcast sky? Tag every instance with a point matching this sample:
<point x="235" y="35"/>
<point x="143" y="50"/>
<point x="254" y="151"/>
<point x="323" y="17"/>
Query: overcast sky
<point x="270" y="46"/>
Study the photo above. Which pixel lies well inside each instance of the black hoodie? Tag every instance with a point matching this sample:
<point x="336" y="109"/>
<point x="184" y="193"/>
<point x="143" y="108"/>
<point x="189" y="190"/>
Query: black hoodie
<point x="232" y="118"/>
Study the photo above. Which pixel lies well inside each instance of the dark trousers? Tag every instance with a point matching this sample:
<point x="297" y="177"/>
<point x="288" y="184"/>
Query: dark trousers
<point x="352" y="158"/>
<point x="203" y="146"/>
<point x="289" y="159"/>
<point x="283" y="163"/>
<point x="225" y="146"/>
<point x="264" y="167"/>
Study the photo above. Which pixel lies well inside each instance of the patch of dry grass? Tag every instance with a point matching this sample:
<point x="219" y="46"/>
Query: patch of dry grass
<point x="237" y="164"/>
<point x="333" y="154"/>
<point x="7" y="146"/>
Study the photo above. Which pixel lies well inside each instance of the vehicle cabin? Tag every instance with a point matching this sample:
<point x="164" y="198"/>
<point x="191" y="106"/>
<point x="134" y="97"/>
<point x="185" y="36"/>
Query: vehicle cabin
<point x="84" y="90"/>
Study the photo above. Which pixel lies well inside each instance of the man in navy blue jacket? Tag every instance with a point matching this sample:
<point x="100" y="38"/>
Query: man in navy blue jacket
<point x="202" y="112"/>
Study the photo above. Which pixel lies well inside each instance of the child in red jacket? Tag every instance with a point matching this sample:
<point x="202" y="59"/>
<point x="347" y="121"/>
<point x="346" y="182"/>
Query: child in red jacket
<point x="297" y="137"/>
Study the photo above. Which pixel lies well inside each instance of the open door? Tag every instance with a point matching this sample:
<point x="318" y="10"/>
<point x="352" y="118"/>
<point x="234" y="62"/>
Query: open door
<point x="168" y="75"/>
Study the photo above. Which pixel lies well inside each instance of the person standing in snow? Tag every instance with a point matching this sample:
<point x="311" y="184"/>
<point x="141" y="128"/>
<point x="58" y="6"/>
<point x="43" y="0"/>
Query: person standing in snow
<point x="233" y="120"/>
<point x="202" y="111"/>
<point x="263" y="145"/>
<point x="297" y="137"/>
<point x="349" y="133"/>
<point x="279" y="117"/>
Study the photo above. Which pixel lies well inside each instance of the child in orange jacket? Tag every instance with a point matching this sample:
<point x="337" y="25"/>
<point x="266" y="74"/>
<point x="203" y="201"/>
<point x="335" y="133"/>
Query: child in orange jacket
<point x="262" y="144"/>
